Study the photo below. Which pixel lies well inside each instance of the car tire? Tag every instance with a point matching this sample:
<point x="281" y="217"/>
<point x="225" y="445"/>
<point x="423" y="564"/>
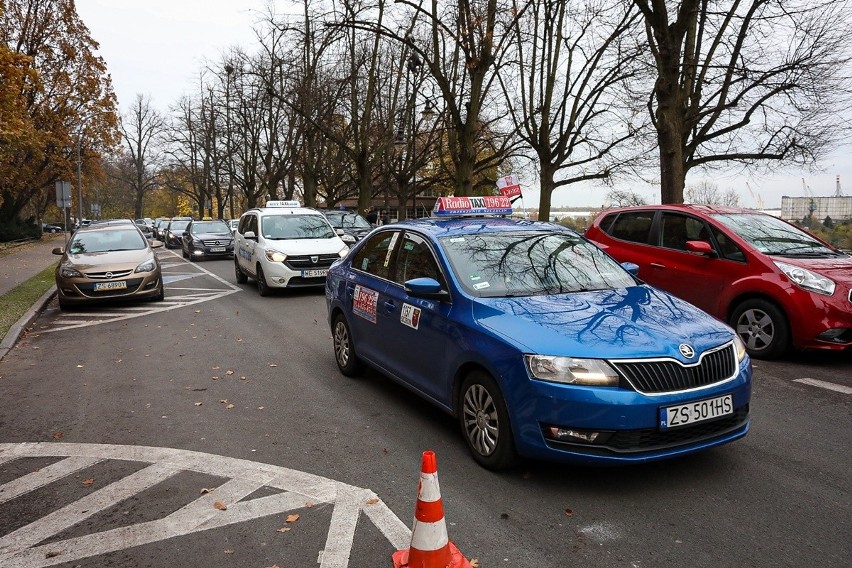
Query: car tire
<point x="344" y="350"/>
<point x="161" y="296"/>
<point x="484" y="422"/>
<point x="238" y="273"/>
<point x="262" y="286"/>
<point x="183" y="252"/>
<point x="763" y="328"/>
<point x="63" y="305"/>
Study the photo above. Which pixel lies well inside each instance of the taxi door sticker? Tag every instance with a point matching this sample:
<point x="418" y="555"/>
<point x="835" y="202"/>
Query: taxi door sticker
<point x="365" y="302"/>
<point x="410" y="316"/>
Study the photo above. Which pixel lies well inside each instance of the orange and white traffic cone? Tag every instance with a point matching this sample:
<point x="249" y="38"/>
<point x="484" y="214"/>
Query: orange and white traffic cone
<point x="430" y="545"/>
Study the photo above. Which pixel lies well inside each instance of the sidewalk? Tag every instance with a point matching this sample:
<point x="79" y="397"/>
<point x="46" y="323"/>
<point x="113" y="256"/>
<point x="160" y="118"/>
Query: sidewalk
<point x="17" y="265"/>
<point x="20" y="263"/>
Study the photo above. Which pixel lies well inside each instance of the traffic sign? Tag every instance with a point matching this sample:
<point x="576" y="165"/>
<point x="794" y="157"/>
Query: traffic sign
<point x="63" y="194"/>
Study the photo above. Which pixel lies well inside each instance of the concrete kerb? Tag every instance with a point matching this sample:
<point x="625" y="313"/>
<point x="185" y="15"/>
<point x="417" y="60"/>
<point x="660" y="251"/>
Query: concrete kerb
<point x="22" y="324"/>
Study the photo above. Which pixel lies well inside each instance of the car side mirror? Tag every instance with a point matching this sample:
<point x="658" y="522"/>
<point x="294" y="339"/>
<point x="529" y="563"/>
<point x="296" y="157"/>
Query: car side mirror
<point x="428" y="288"/>
<point x="250" y="235"/>
<point x="340" y="232"/>
<point x="631" y="267"/>
<point x="59" y="251"/>
<point x="156" y="244"/>
<point x="701" y="247"/>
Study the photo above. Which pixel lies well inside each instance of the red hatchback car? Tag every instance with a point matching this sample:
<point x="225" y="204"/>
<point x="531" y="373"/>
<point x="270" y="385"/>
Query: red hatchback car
<point x="775" y="284"/>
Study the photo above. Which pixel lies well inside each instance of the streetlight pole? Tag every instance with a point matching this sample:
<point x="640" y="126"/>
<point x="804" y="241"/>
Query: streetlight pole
<point x="79" y="181"/>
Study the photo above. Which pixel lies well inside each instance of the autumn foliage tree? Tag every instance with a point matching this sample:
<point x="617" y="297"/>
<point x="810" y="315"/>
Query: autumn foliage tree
<point x="56" y="100"/>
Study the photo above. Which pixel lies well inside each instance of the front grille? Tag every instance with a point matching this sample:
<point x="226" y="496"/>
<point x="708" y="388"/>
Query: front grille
<point x="633" y="441"/>
<point x="304" y="262"/>
<point x="217" y="243"/>
<point x="112" y="275"/>
<point x="669" y="375"/>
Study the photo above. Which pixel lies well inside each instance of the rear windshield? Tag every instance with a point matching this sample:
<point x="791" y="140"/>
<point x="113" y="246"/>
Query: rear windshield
<point x="178" y="226"/>
<point x="285" y="227"/>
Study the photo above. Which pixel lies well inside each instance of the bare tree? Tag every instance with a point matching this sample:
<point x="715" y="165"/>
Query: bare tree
<point x="570" y="61"/>
<point x="141" y="129"/>
<point x="623" y="198"/>
<point x="708" y="193"/>
<point x="745" y="82"/>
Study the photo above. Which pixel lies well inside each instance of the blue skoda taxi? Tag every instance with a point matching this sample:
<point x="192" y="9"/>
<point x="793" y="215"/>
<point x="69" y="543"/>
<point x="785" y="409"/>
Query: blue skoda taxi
<point x="538" y="342"/>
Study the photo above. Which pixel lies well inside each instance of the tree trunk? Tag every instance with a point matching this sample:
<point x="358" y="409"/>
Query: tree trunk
<point x="546" y="196"/>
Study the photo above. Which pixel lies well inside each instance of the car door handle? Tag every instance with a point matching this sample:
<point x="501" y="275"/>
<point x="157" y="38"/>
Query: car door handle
<point x="657" y="265"/>
<point x="350" y="290"/>
<point x="390" y="305"/>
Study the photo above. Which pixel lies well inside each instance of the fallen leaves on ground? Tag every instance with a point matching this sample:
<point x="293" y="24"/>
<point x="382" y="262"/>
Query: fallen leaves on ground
<point x="474" y="562"/>
<point x="206" y="490"/>
<point x="569" y="512"/>
<point x="198" y="404"/>
<point x="229" y="372"/>
<point x="273" y="365"/>
<point x="372" y="501"/>
<point x="228" y="551"/>
<point x="58" y="435"/>
<point x="283" y="529"/>
<point x="292" y="518"/>
<point x="221" y="506"/>
<point x="88" y="481"/>
<point x="52" y="554"/>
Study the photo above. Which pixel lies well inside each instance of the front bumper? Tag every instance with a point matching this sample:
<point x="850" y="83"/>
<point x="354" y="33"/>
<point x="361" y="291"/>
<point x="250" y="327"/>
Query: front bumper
<point x="81" y="290"/>
<point x="627" y="422"/>
<point x="822" y="322"/>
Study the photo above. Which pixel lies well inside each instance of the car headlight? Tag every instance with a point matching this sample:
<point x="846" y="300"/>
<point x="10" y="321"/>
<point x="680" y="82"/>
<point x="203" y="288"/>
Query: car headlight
<point x="739" y="348"/>
<point x="347" y="238"/>
<point x="145" y="267"/>
<point x="807" y="280"/>
<point x="343" y="252"/>
<point x="568" y="370"/>
<point x="275" y="256"/>
<point x="68" y="272"/>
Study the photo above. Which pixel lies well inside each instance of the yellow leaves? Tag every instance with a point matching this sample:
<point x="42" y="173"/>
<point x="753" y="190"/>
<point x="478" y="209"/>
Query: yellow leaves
<point x="220" y="506"/>
<point x="88" y="482"/>
<point x="292" y="518"/>
<point x="372" y="501"/>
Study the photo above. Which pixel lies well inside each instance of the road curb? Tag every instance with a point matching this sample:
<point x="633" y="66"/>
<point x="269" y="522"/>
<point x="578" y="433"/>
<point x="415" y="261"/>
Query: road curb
<point x="18" y="328"/>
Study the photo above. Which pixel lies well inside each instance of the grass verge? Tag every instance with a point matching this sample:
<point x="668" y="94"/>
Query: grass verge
<point x="16" y="303"/>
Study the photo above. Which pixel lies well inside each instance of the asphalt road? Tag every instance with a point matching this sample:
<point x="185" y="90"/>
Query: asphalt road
<point x="245" y="392"/>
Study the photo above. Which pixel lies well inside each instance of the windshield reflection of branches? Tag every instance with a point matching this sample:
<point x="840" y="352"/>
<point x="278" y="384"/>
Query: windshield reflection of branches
<point x="533" y="263"/>
<point x="768" y="234"/>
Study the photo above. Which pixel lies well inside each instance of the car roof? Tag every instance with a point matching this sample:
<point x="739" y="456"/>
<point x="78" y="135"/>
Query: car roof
<point x="284" y="211"/>
<point x="443" y="227"/>
<point x="108" y="226"/>
<point x="684" y="208"/>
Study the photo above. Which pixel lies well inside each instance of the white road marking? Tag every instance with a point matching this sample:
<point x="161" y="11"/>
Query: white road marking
<point x="824" y="385"/>
<point x="20" y="548"/>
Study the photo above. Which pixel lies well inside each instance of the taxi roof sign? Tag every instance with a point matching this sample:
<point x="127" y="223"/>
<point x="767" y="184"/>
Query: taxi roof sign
<point x="460" y="206"/>
<point x="283" y="203"/>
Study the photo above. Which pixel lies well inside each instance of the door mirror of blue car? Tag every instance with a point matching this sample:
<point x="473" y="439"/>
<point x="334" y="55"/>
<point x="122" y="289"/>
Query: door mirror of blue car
<point x="426" y="288"/>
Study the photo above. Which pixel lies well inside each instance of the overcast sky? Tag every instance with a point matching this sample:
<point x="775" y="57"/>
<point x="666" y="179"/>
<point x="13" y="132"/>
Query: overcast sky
<point x="158" y="48"/>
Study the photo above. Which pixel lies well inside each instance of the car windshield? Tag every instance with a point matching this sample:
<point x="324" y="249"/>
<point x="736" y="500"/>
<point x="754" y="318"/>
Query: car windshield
<point x="178" y="226"/>
<point x="209" y="227"/>
<point x="347" y="220"/>
<point x="283" y="227"/>
<point x="106" y="241"/>
<point x="771" y="235"/>
<point x="531" y="263"/>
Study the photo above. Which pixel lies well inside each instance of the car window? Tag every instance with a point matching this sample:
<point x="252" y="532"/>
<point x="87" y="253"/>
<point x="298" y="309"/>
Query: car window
<point x="106" y="241"/>
<point x="676" y="229"/>
<point x="531" y="263"/>
<point x="415" y="260"/>
<point x="248" y="223"/>
<point x="632" y="226"/>
<point x="286" y="227"/>
<point x="771" y="235"/>
<point x="376" y="254"/>
<point x="178" y="226"/>
<point x="209" y="227"/>
<point x="727" y="248"/>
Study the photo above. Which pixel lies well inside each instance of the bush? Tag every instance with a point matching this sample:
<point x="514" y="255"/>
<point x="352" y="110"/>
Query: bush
<point x="18" y="229"/>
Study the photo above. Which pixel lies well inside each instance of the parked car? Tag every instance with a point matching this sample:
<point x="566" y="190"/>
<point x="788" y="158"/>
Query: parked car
<point x="233" y="224"/>
<point x="108" y="261"/>
<point x="539" y="343"/>
<point x="207" y="239"/>
<point x="145" y="228"/>
<point x="172" y="234"/>
<point x="775" y="284"/>
<point x="159" y="227"/>
<point x="285" y="245"/>
<point x="49" y="228"/>
<point x="353" y="225"/>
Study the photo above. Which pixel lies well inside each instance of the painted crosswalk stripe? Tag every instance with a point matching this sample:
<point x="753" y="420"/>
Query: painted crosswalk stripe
<point x="824" y="385"/>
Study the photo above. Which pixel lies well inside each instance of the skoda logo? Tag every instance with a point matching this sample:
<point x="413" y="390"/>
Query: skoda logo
<point x="108" y="275"/>
<point x="686" y="350"/>
<point x="314" y="259"/>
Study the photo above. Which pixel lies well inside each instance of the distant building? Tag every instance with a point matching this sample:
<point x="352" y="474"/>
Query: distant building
<point x="797" y="208"/>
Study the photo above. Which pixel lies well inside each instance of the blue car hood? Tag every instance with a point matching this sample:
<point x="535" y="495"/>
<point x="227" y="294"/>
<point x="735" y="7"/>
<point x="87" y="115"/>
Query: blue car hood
<point x="639" y="321"/>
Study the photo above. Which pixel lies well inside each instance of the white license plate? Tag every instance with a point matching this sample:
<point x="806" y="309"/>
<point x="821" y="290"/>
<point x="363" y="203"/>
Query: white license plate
<point x="685" y="414"/>
<point x="314" y="273"/>
<point x="117" y="285"/>
<point x="217" y="249"/>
